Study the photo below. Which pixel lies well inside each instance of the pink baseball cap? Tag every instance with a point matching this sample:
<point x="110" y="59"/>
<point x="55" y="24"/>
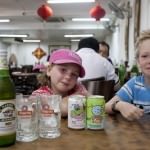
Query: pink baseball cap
<point x="63" y="56"/>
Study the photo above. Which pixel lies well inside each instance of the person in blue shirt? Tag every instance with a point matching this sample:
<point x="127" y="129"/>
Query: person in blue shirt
<point x="133" y="99"/>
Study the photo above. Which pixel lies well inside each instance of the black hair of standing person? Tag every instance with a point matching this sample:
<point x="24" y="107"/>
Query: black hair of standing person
<point x="89" y="42"/>
<point x="105" y="44"/>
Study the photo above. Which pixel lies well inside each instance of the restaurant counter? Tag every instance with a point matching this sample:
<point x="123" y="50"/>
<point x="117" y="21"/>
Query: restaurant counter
<point x="119" y="134"/>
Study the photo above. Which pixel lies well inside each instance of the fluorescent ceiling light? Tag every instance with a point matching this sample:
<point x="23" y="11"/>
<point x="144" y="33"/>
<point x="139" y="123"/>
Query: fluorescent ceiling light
<point x="13" y="35"/>
<point x="89" y="19"/>
<point x="4" y="20"/>
<point x="83" y="19"/>
<point x="77" y="35"/>
<point x="69" y="1"/>
<point x="32" y="41"/>
<point x="74" y="40"/>
<point x="104" y="19"/>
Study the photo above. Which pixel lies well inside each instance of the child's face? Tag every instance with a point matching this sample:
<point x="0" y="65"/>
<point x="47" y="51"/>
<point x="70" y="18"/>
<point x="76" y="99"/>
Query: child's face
<point x="63" y="77"/>
<point x="144" y="57"/>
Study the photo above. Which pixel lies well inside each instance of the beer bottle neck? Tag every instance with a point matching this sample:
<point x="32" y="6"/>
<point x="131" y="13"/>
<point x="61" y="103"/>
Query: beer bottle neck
<point x="4" y="70"/>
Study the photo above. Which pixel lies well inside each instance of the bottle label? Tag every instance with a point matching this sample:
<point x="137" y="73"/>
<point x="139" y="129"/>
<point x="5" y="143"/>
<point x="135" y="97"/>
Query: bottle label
<point x="3" y="59"/>
<point x="7" y="117"/>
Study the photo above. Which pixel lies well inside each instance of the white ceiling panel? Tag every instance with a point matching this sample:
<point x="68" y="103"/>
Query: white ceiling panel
<point x="25" y="20"/>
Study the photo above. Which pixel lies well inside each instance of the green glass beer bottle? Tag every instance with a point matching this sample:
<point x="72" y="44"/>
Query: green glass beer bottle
<point x="7" y="104"/>
<point x="122" y="73"/>
<point x="134" y="70"/>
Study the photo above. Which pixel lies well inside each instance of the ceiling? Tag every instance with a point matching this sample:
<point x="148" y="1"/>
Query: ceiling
<point x="25" y="20"/>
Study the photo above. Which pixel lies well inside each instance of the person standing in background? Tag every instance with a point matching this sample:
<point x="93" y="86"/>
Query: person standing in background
<point x="104" y="50"/>
<point x="95" y="65"/>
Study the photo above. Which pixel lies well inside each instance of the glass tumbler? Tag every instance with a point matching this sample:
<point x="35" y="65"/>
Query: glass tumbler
<point x="27" y="118"/>
<point x="49" y="116"/>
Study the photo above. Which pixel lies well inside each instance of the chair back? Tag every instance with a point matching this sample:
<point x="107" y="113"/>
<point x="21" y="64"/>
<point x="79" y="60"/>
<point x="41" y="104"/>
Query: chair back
<point x="100" y="86"/>
<point x="106" y="89"/>
<point x="92" y="85"/>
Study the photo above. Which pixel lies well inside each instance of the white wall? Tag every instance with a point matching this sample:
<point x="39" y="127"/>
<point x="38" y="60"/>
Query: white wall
<point x="23" y="51"/>
<point x="145" y="15"/>
<point x="114" y="46"/>
<point x="24" y="54"/>
<point x="74" y="45"/>
<point x="132" y="49"/>
<point x="116" y="43"/>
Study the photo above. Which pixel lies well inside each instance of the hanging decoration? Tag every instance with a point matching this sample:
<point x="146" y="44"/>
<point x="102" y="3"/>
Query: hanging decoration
<point x="45" y="12"/>
<point x="97" y="12"/>
<point x="39" y="53"/>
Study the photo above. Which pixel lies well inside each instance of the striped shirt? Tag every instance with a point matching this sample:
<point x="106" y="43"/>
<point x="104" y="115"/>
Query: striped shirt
<point x="136" y="92"/>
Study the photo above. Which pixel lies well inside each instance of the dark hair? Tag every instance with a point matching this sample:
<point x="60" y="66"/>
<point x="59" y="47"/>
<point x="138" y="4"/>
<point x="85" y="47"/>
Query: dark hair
<point x="89" y="43"/>
<point x="105" y="44"/>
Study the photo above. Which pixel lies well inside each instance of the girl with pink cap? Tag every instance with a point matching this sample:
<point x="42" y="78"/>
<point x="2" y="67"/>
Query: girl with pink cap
<point x="65" y="66"/>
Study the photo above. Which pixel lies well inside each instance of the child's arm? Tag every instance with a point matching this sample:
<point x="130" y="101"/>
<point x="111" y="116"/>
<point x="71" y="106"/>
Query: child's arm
<point x="129" y="111"/>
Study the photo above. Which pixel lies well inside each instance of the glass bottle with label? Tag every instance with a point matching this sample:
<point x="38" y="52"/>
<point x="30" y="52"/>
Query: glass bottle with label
<point x="7" y="104"/>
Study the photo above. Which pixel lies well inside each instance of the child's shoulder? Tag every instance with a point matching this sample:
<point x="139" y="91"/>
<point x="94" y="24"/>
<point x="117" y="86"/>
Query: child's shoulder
<point x="136" y="80"/>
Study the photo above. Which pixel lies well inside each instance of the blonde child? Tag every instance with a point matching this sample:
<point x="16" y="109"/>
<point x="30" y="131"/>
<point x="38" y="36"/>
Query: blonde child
<point x="133" y="99"/>
<point x="64" y="68"/>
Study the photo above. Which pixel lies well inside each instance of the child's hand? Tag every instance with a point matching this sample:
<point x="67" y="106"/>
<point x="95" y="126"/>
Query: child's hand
<point x="129" y="111"/>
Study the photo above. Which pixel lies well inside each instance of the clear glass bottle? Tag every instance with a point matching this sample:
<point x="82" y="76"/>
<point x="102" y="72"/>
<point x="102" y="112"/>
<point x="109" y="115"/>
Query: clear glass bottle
<point x="7" y="104"/>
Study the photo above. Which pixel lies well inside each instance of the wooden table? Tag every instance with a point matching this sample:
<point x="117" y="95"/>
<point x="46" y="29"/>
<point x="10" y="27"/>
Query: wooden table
<point x="119" y="134"/>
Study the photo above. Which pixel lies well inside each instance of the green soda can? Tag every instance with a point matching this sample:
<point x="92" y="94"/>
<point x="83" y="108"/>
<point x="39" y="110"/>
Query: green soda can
<point x="95" y="112"/>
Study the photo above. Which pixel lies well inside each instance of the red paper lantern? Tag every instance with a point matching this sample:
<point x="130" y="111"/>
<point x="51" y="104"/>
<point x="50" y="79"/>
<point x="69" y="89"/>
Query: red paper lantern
<point x="45" y="12"/>
<point x="97" y="12"/>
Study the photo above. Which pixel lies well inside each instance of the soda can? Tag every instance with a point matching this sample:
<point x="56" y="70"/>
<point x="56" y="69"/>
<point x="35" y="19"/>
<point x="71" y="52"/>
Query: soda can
<point x="76" y="112"/>
<point x="95" y="112"/>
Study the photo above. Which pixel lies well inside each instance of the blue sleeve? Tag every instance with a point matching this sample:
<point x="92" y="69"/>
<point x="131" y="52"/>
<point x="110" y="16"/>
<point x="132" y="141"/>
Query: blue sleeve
<point x="126" y="91"/>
